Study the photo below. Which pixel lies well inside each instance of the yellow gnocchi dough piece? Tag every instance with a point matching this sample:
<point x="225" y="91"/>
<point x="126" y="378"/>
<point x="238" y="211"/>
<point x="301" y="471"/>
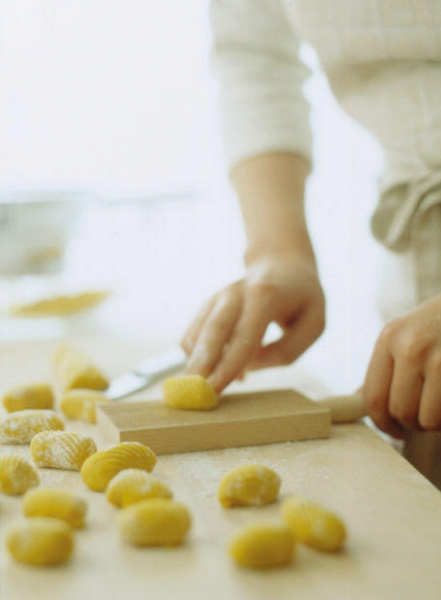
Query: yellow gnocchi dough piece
<point x="22" y="397"/>
<point x="74" y="370"/>
<point x="21" y="426"/>
<point x="64" y="304"/>
<point x="191" y="392"/>
<point x="40" y="541"/>
<point x="17" y="475"/>
<point x="313" y="525"/>
<point x="57" y="503"/>
<point x="62" y="449"/>
<point x="133" y="485"/>
<point x="156" y="522"/>
<point x="263" y="546"/>
<point x="101" y="467"/>
<point x="249" y="485"/>
<point x="81" y="404"/>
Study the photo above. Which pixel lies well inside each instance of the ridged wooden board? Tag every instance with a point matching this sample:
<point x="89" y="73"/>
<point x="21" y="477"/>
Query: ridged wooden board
<point x="240" y="420"/>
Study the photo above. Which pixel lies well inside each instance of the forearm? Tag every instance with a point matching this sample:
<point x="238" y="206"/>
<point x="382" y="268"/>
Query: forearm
<point x="270" y="189"/>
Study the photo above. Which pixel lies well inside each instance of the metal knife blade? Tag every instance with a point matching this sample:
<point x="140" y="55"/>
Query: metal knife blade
<point x="146" y="373"/>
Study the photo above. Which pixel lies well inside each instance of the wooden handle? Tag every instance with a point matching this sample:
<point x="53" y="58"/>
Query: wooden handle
<point x="345" y="409"/>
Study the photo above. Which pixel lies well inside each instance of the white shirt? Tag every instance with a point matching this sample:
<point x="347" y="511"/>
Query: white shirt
<point x="383" y="62"/>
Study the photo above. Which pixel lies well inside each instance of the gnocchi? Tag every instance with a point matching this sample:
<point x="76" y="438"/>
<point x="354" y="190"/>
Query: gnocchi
<point x="192" y="392"/>
<point x="133" y="485"/>
<point x="263" y="546"/>
<point x="20" y="427"/>
<point x="40" y="541"/>
<point x="81" y="404"/>
<point x="74" y="370"/>
<point x="101" y="467"/>
<point x="22" y="397"/>
<point x="156" y="522"/>
<point x="61" y="449"/>
<point x="249" y="485"/>
<point x="65" y="304"/>
<point x="17" y="475"/>
<point x="313" y="525"/>
<point x="57" y="503"/>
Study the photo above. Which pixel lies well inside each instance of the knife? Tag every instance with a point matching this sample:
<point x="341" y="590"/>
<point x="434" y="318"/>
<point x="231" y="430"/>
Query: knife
<point x="146" y="373"/>
<point x="154" y="369"/>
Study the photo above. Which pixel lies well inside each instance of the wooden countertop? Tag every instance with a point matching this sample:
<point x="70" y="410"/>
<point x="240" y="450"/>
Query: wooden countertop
<point x="392" y="513"/>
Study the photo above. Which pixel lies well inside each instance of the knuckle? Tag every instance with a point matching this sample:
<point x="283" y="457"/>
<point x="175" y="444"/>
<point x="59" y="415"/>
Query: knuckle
<point x="225" y="296"/>
<point x="410" y="348"/>
<point x="389" y="332"/>
<point x="263" y="290"/>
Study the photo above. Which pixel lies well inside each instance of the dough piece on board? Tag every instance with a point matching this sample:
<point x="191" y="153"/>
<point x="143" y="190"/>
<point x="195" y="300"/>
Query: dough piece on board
<point x="191" y="392"/>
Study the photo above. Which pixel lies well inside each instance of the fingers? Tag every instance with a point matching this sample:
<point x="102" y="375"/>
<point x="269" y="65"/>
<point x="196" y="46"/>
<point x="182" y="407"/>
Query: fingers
<point x="376" y="391"/>
<point x="429" y="415"/>
<point x="191" y="335"/>
<point x="296" y="339"/>
<point x="214" y="333"/>
<point x="244" y="342"/>
<point x="405" y="393"/>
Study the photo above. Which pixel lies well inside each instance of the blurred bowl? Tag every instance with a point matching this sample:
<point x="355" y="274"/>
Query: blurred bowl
<point x="35" y="227"/>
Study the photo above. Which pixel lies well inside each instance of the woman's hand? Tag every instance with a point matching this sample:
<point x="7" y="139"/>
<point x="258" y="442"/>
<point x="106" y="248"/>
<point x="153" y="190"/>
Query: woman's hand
<point x="225" y="338"/>
<point x="402" y="390"/>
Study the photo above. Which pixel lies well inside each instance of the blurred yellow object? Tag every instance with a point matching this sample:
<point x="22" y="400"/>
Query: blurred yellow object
<point x="73" y="370"/>
<point x="58" y="306"/>
<point x="57" y="503"/>
<point x="313" y="525"/>
<point x="33" y="395"/>
<point x="40" y="541"/>
<point x="249" y="485"/>
<point x="21" y="426"/>
<point x="81" y="404"/>
<point x="17" y="475"/>
<point x="155" y="522"/>
<point x="263" y="546"/>
<point x="134" y="485"/>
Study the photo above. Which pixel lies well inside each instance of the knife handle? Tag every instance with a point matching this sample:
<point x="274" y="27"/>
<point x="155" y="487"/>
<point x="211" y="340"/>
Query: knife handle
<point x="345" y="409"/>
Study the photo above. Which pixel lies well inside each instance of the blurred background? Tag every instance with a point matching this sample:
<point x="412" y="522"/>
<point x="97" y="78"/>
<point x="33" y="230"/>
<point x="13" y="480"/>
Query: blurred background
<point x="112" y="178"/>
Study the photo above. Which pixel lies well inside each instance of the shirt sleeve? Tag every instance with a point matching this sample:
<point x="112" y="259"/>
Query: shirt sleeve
<point x="255" y="57"/>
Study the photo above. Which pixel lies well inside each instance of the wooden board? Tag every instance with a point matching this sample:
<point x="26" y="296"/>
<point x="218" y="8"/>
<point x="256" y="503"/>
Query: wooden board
<point x="239" y="420"/>
<point x="392" y="513"/>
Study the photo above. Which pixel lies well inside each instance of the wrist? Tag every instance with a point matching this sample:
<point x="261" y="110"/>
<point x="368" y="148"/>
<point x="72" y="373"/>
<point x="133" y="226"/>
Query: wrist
<point x="297" y="247"/>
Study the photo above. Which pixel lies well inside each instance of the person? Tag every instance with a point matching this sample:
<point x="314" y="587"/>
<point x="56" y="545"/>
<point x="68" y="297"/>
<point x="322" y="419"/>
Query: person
<point x="383" y="63"/>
